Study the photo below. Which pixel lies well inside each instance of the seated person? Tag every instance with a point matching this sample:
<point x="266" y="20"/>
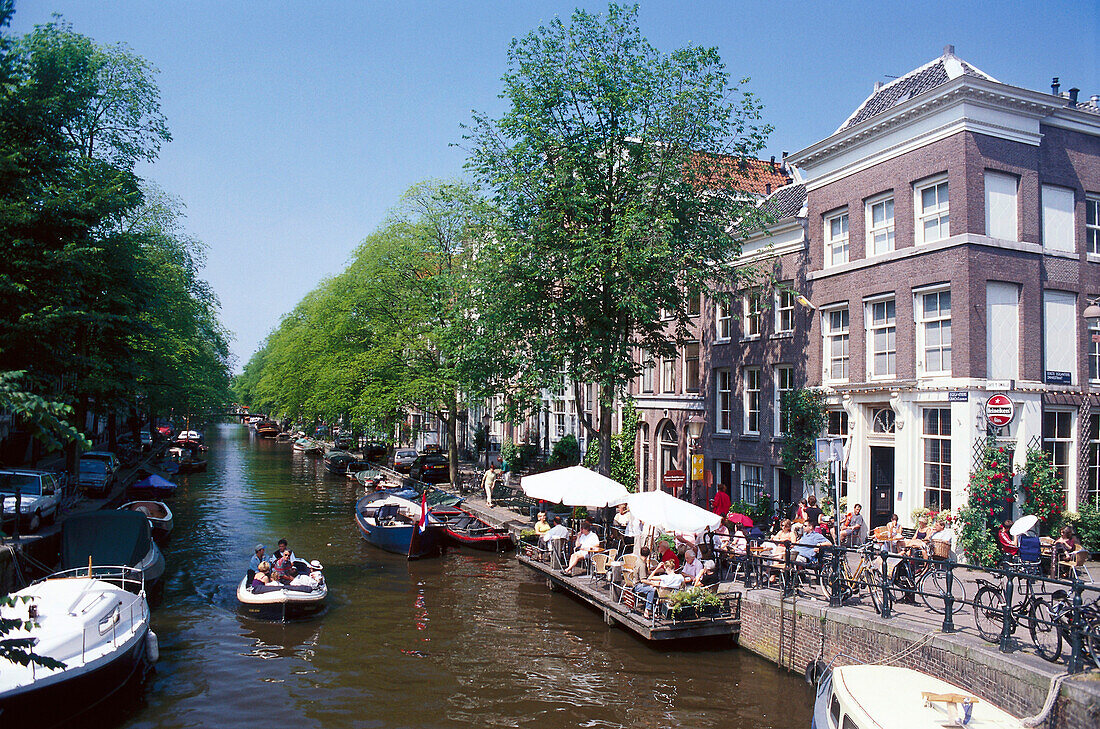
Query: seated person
<point x="1008" y="543"/>
<point x="669" y="579"/>
<point x="641" y="567"/>
<point x="541" y="526"/>
<point x="587" y="542"/>
<point x="257" y="558"/>
<point x="851" y="529"/>
<point x="919" y="543"/>
<point x="942" y="533"/>
<point x="1029" y="550"/>
<point x="283" y="570"/>
<point x="1066" y="544"/>
<point x="263" y="581"/>
<point x="720" y="537"/>
<point x="692" y="566"/>
<point x="784" y="534"/>
<point x="558" y="531"/>
<point x="709" y="575"/>
<point x="283" y="549"/>
<point x="806" y="550"/>
<point x="739" y="543"/>
<point x="667" y="555"/>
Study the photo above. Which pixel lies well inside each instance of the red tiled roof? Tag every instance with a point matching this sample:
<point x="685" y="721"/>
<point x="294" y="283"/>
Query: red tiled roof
<point x="756" y="176"/>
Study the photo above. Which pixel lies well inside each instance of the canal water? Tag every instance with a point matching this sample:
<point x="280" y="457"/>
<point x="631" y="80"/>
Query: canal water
<point x="465" y="641"/>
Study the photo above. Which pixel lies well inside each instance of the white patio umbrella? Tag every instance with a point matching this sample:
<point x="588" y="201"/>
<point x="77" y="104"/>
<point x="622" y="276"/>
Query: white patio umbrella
<point x="665" y="511"/>
<point x="1023" y="525"/>
<point x="574" y="486"/>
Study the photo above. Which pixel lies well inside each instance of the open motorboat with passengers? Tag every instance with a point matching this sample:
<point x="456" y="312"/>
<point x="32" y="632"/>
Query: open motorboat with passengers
<point x="93" y="620"/>
<point x="890" y="697"/>
<point x="304" y="596"/>
<point x="398" y="524"/>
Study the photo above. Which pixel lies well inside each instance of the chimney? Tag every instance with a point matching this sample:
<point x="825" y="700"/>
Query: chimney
<point x="785" y="156"/>
<point x="949" y="50"/>
<point x="1055" y="86"/>
<point x="768" y="188"/>
<point x="1073" y="96"/>
<point x="878" y="85"/>
<point x="773" y="162"/>
<point x="1095" y="101"/>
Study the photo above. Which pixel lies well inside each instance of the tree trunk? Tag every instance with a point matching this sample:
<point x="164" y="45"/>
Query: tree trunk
<point x="451" y="421"/>
<point x="112" y="430"/>
<point x="606" y="398"/>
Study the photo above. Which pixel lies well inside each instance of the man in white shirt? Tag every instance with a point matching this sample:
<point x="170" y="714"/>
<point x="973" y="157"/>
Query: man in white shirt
<point x="558" y="531"/>
<point x="692" y="566"/>
<point x="668" y="580"/>
<point x="587" y="543"/>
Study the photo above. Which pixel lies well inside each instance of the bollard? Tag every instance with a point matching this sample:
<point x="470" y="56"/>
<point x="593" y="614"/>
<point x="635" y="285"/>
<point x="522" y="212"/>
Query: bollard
<point x="1074" y="664"/>
<point x="1006" y="615"/>
<point x="949" y="601"/>
<point x="886" y="597"/>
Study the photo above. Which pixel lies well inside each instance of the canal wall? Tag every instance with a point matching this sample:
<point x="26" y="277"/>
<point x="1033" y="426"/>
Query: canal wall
<point x="792" y="632"/>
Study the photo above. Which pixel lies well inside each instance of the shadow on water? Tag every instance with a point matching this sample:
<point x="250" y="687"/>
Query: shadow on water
<point x="468" y="640"/>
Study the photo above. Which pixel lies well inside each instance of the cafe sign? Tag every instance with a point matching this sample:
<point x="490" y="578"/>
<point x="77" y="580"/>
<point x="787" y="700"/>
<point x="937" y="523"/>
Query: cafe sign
<point x="999" y="410"/>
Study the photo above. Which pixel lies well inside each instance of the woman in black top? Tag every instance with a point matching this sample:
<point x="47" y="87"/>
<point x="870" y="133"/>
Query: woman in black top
<point x="813" y="514"/>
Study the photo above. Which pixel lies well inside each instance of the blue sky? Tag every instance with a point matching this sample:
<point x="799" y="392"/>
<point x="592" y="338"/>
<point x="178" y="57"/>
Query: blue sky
<point x="298" y="125"/>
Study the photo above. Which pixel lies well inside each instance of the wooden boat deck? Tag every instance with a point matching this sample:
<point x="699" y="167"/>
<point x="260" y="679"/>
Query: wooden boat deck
<point x="583" y="588"/>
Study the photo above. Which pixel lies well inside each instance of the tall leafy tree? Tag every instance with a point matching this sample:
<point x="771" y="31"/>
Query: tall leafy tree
<point x="614" y="168"/>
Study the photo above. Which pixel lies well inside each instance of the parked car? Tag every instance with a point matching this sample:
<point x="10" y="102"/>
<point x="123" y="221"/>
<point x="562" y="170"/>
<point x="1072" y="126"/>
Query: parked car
<point x="343" y="442"/>
<point x="95" y="476"/>
<point x="375" y="452"/>
<point x="431" y="468"/>
<point x="39" y="497"/>
<point x="106" y="456"/>
<point x="145" y="439"/>
<point x="403" y="459"/>
<point x="432" y="448"/>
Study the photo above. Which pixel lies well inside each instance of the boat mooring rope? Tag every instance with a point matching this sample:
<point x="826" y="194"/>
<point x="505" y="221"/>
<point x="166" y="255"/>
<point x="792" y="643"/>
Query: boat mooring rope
<point x="1052" y="696"/>
<point x="917" y="644"/>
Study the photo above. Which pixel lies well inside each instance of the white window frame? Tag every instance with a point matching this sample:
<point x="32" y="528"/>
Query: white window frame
<point x="939" y="463"/>
<point x="784" y="311"/>
<point x="940" y="211"/>
<point x="723" y="400"/>
<point x="649" y="373"/>
<point x="885" y="228"/>
<point x="1094" y="350"/>
<point x="1092" y="224"/>
<point x="890" y="325"/>
<point x="828" y="334"/>
<point x="1069" y="485"/>
<point x="1050" y="239"/>
<point x="784" y="382"/>
<point x="751" y="473"/>
<point x="668" y="366"/>
<point x="753" y="321"/>
<point x="838" y="249"/>
<point x="1092" y="491"/>
<point x="922" y="325"/>
<point x="751" y="396"/>
<point x="723" y="322"/>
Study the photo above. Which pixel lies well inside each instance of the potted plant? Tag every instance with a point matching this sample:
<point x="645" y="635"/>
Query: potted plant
<point x="694" y="602"/>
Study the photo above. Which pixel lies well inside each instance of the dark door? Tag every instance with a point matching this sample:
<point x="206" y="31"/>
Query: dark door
<point x="785" y="490"/>
<point x="882" y="485"/>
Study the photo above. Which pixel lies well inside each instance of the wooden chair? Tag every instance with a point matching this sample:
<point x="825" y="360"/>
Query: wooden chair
<point x="598" y="566"/>
<point x="630" y="569"/>
<point x="1074" y="564"/>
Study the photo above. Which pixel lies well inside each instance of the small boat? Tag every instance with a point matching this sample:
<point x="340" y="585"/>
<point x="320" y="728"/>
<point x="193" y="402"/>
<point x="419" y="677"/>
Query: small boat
<point x="464" y="529"/>
<point x="314" y="448"/>
<point x="93" y="620"/>
<point x="267" y="429"/>
<point x="302" y="443"/>
<point x="285" y="602"/>
<point x="337" y="461"/>
<point x="186" y="459"/>
<point x="189" y="438"/>
<point x="284" y="437"/>
<point x="356" y="467"/>
<point x="891" y="698"/>
<point x="398" y="525"/>
<point x="107" y="538"/>
<point x="155" y="484"/>
<point x="158" y="514"/>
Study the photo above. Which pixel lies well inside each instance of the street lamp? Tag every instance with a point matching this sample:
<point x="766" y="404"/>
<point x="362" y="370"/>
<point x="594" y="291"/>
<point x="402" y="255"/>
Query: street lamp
<point x="694" y="430"/>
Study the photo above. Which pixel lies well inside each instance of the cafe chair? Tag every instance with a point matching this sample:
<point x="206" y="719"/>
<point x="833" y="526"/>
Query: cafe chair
<point x="1074" y="564"/>
<point x="597" y="564"/>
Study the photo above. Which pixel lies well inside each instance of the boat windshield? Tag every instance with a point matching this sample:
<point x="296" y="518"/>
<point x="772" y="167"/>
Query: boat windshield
<point x="27" y="484"/>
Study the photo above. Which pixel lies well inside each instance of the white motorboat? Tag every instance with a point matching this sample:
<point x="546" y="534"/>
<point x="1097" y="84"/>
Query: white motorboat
<point x="158" y="514"/>
<point x="302" y="598"/>
<point x="93" y="620"/>
<point x="889" y="697"/>
<point x="112" y="537"/>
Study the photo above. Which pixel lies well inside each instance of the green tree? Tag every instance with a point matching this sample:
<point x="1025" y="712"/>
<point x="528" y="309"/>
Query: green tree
<point x="805" y="418"/>
<point x="612" y="168"/>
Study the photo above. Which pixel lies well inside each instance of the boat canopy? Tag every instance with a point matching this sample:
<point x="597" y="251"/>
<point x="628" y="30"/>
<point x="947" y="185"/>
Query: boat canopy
<point x="110" y="538"/>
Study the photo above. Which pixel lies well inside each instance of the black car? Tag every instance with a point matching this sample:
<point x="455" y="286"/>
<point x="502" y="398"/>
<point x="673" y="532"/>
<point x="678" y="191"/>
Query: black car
<point x="375" y="452"/>
<point x="431" y="468"/>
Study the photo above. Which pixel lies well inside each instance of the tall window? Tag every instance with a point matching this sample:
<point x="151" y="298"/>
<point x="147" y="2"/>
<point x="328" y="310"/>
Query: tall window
<point x="668" y="374"/>
<point x="883" y="338"/>
<point x="752" y="318"/>
<point x="752" y="400"/>
<point x="937" y="458"/>
<point x="669" y="444"/>
<point x="694" y="305"/>
<point x="752" y="482"/>
<point x="1060" y="319"/>
<point x="1000" y="206"/>
<point x="836" y="239"/>
<point x="1002" y="330"/>
<point x="647" y="372"/>
<point x="932" y="211"/>
<point x="723" y="400"/>
<point x="784" y="383"/>
<point x="880" y="225"/>
<point x="784" y="311"/>
<point x="691" y="367"/>
<point x="1093" y="494"/>
<point x="1092" y="224"/>
<point x="1058" y="443"/>
<point x="934" y="331"/>
<point x="1058" y="226"/>
<point x="723" y="473"/>
<point x="723" y="321"/>
<point x="836" y="344"/>
<point x="1094" y="351"/>
<point x="836" y="426"/>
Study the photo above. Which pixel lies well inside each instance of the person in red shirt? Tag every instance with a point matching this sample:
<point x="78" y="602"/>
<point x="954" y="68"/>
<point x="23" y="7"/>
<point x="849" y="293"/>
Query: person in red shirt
<point x="1008" y="543"/>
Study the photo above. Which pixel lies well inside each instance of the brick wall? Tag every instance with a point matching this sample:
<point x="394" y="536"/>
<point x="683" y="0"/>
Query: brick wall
<point x="792" y="633"/>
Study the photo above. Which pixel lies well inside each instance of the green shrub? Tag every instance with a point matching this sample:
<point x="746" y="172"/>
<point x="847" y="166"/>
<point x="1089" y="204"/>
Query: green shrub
<point x="567" y="452"/>
<point x="698" y="598"/>
<point x="1086" y="522"/>
<point x="1043" y="495"/>
<point x="976" y="537"/>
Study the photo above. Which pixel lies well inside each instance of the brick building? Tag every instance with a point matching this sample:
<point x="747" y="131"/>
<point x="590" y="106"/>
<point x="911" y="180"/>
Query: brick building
<point x="948" y="237"/>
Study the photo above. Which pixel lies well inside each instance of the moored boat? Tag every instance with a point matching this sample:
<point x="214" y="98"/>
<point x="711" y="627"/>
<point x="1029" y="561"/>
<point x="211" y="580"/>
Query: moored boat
<point x="187" y="459"/>
<point x="464" y="529"/>
<point x="337" y="461"/>
<point x="93" y="620"/>
<point x="890" y="697"/>
<point x="189" y="438"/>
<point x="285" y="602"/>
<point x="267" y="429"/>
<point x="154" y="484"/>
<point x="398" y="525"/>
<point x="104" y="538"/>
<point x="158" y="514"/>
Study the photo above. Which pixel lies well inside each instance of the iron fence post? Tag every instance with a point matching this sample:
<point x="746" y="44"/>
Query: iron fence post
<point x="886" y="598"/>
<point x="788" y="588"/>
<point x="835" y="598"/>
<point x="949" y="600"/>
<point x="1073" y="665"/>
<point x="1006" y="614"/>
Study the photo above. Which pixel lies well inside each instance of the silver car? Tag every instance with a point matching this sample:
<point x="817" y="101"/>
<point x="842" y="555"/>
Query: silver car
<point x="403" y="459"/>
<point x="39" y="497"/>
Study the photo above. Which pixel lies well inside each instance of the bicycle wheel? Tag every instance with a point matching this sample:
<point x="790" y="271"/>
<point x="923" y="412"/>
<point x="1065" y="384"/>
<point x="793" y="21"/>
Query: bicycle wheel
<point x="1092" y="638"/>
<point x="1045" y="629"/>
<point x="872" y="582"/>
<point x="988" y="617"/>
<point x="933" y="591"/>
<point x="828" y="586"/>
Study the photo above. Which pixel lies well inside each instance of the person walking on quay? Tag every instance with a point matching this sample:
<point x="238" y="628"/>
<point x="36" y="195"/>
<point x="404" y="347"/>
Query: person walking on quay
<point x="488" y="481"/>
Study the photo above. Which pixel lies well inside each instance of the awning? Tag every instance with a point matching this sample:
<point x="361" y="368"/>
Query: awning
<point x="665" y="511"/>
<point x="574" y="486"/>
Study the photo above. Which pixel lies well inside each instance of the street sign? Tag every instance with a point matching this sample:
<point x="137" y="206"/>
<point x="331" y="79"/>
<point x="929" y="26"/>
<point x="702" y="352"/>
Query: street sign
<point x="1058" y="377"/>
<point x="999" y="410"/>
<point x="673" y="479"/>
<point x="957" y="396"/>
<point x="696" y="466"/>
<point x="829" y="449"/>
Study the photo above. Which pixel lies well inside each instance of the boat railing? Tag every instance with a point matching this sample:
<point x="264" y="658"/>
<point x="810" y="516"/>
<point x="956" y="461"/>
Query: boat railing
<point x="128" y="578"/>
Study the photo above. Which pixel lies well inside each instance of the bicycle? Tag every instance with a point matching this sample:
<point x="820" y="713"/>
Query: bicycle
<point x="929" y="580"/>
<point x="989" y="616"/>
<point x="1061" y="623"/>
<point x="852" y="583"/>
